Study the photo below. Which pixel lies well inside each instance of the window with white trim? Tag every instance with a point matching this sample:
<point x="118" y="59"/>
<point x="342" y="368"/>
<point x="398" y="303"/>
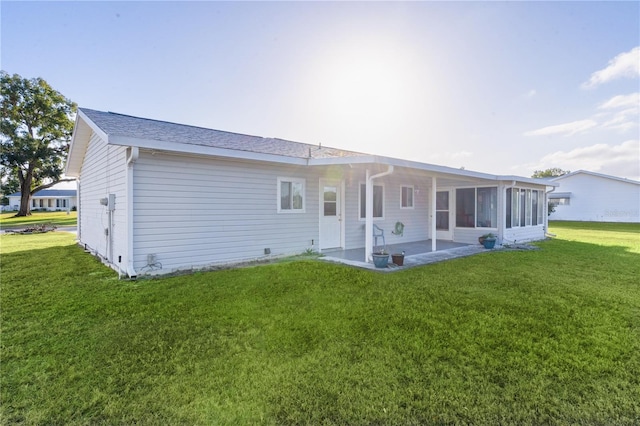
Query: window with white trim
<point x="525" y="207"/>
<point x="291" y="195"/>
<point x="378" y="201"/>
<point x="406" y="197"/>
<point x="477" y="207"/>
<point x="563" y="201"/>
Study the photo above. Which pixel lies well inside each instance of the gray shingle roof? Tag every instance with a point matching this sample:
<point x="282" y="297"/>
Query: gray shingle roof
<point x="143" y="128"/>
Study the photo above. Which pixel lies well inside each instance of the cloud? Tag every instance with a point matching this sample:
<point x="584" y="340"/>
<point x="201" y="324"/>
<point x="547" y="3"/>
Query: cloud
<point x="566" y="129"/>
<point x="617" y="160"/>
<point x="530" y="94"/>
<point x="620" y="113"/>
<point x="623" y="120"/>
<point x="622" y="101"/>
<point x="626" y="64"/>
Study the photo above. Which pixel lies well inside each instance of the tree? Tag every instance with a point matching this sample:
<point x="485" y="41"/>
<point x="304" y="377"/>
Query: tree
<point x="550" y="173"/>
<point x="35" y="132"/>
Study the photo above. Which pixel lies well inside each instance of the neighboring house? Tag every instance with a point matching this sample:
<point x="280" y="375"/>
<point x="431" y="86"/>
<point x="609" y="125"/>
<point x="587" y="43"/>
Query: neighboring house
<point x="48" y="199"/>
<point x="594" y="197"/>
<point x="161" y="196"/>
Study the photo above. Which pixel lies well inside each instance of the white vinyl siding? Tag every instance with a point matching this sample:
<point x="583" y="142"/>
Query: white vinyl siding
<point x="597" y="198"/>
<point x="416" y="220"/>
<point x="221" y="211"/>
<point x="103" y="173"/>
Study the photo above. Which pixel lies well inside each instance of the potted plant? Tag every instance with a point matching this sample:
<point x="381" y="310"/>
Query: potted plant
<point x="380" y="258"/>
<point x="398" y="258"/>
<point x="488" y="240"/>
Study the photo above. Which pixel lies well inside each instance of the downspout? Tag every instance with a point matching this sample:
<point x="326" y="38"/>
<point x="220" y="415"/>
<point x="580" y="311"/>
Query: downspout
<point x="546" y="217"/>
<point x="132" y="156"/>
<point x="368" y="221"/>
<point x="79" y="219"/>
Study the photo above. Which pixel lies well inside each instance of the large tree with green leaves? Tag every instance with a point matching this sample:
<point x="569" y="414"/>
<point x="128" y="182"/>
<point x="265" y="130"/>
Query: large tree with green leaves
<point x="550" y="173"/>
<point x="35" y="132"/>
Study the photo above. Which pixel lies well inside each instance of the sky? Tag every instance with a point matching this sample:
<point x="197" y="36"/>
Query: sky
<point x="498" y="87"/>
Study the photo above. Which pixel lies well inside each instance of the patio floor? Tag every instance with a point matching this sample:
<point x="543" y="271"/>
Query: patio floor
<point x="416" y="254"/>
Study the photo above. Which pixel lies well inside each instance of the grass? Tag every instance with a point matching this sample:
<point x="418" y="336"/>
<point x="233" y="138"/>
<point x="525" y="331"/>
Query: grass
<point x="535" y="337"/>
<point x="9" y="221"/>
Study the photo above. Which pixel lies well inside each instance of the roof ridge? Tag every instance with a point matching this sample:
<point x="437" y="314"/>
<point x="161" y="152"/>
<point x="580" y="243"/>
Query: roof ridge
<point x="602" y="175"/>
<point x="217" y="130"/>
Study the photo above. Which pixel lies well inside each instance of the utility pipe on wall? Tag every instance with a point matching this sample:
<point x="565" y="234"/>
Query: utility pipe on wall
<point x="132" y="156"/>
<point x="546" y="203"/>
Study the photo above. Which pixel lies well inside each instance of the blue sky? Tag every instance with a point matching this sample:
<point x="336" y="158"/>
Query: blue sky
<point x="498" y="87"/>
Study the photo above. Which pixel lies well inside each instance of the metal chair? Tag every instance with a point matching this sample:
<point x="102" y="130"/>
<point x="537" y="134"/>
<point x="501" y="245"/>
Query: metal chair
<point x="378" y="233"/>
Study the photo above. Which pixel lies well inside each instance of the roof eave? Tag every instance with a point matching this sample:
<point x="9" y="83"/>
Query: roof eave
<point x="82" y="130"/>
<point x="374" y="159"/>
<point x="601" y="175"/>
<point x="183" y="148"/>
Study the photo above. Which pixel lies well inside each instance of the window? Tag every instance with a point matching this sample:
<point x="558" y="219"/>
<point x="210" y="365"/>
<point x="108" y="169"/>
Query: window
<point x="290" y="195"/>
<point x="49" y="202"/>
<point x="477" y="207"/>
<point x="406" y="197"/>
<point x="442" y="210"/>
<point x="465" y="207"/>
<point x="378" y="201"/>
<point x="525" y="207"/>
<point x="515" y="208"/>
<point x="564" y="201"/>
<point x="508" y="203"/>
<point x="487" y="208"/>
<point x="534" y="207"/>
<point x="330" y="200"/>
<point x="528" y="207"/>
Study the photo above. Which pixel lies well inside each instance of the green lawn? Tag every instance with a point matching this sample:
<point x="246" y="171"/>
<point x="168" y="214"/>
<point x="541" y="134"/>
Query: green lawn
<point x="8" y="221"/>
<point x="514" y="337"/>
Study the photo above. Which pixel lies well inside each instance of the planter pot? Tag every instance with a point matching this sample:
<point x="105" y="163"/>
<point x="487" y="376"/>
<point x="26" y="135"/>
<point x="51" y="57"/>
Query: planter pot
<point x="489" y="243"/>
<point x="398" y="259"/>
<point x="380" y="260"/>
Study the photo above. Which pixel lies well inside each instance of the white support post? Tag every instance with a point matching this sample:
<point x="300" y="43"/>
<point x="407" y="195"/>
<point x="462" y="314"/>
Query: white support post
<point x="434" y="188"/>
<point x="368" y="218"/>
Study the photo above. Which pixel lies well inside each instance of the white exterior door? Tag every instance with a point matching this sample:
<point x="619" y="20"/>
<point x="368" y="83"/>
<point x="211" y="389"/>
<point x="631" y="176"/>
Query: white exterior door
<point x="330" y="214"/>
<point x="443" y="215"/>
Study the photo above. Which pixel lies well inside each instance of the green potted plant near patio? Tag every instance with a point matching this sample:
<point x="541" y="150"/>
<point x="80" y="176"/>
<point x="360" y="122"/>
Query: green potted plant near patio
<point x="380" y="258"/>
<point x="488" y="240"/>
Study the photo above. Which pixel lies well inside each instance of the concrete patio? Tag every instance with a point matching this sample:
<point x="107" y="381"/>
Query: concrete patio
<point x="416" y="254"/>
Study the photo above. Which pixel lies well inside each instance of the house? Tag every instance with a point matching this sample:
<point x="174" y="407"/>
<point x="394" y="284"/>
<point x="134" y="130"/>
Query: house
<point x="158" y="197"/>
<point x="595" y="197"/>
<point x="48" y="199"/>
